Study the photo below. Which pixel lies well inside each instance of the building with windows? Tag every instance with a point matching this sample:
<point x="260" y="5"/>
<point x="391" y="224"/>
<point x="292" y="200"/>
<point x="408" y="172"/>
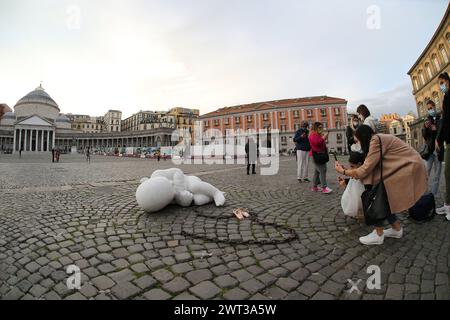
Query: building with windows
<point x="37" y="125"/>
<point x="85" y="123"/>
<point x="434" y="60"/>
<point x="113" y="121"/>
<point x="146" y="120"/>
<point x="286" y="116"/>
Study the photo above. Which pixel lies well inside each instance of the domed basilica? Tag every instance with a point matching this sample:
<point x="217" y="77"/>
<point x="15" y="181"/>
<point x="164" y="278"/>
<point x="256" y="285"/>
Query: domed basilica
<point x="37" y="125"/>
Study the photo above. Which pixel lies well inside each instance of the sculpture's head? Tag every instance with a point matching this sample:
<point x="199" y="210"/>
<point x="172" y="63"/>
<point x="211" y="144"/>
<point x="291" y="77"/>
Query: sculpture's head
<point x="154" y="194"/>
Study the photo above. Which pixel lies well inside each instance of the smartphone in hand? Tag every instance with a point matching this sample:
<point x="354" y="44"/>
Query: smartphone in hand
<point x="335" y="156"/>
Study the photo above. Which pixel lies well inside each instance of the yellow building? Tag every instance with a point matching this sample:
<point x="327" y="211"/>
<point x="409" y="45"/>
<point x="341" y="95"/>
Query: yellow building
<point x="434" y="60"/>
<point x="185" y="118"/>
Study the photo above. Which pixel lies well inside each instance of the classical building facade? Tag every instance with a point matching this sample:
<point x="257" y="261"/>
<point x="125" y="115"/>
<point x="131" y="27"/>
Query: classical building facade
<point x="37" y="125"/>
<point x="286" y="116"/>
<point x="434" y="60"/>
<point x="146" y="120"/>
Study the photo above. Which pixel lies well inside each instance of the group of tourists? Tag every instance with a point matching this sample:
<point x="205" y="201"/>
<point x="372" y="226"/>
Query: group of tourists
<point x="312" y="145"/>
<point x="383" y="161"/>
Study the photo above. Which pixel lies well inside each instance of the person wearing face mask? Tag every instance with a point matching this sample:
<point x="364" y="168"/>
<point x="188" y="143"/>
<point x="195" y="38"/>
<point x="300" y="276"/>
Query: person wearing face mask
<point x="404" y="177"/>
<point x="364" y="115"/>
<point x="444" y="136"/>
<point x="350" y="131"/>
<point x="433" y="157"/>
<point x="319" y="154"/>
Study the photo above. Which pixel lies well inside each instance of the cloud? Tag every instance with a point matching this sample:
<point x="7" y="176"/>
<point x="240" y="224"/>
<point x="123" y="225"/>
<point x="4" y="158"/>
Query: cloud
<point x="399" y="100"/>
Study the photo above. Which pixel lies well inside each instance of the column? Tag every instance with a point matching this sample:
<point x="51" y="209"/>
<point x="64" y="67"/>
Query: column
<point x="26" y="140"/>
<point x="36" y="141"/>
<point x="48" y="140"/>
<point x="20" y="139"/>
<point x="53" y="139"/>
<point x="14" y="141"/>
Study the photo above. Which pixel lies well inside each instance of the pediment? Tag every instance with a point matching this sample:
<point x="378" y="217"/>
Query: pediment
<point x="34" y="121"/>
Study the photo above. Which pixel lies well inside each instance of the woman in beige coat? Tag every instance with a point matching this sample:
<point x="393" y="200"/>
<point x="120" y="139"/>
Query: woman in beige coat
<point x="404" y="173"/>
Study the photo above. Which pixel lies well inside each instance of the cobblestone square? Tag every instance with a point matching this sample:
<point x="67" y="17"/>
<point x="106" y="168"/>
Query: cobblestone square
<point x="297" y="245"/>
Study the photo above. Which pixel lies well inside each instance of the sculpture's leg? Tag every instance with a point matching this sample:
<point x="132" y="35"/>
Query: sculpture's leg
<point x="201" y="199"/>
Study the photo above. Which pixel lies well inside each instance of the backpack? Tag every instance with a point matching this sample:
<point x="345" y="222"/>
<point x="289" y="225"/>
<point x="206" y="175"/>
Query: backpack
<point x="424" y="209"/>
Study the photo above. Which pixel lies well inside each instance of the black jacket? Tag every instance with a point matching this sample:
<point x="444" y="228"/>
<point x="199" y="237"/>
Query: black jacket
<point x="444" y="132"/>
<point x="350" y="137"/>
<point x="302" y="143"/>
<point x="430" y="135"/>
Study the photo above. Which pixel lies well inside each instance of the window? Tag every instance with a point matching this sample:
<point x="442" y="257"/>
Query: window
<point x="226" y="120"/>
<point x="216" y="122"/>
<point x="324" y="124"/>
<point x="309" y="113"/>
<point x="436" y="62"/>
<point x="249" y="118"/>
<point x="338" y="124"/>
<point x="337" y="111"/>
<point x="416" y="85"/>
<point x="282" y="115"/>
<point x="422" y="79"/>
<point x="339" y="137"/>
<point x="430" y="74"/>
<point x="283" y="127"/>
<point x="323" y="112"/>
<point x="296" y="126"/>
<point x="265" y="116"/>
<point x="238" y="120"/>
<point x="443" y="53"/>
<point x="295" y="113"/>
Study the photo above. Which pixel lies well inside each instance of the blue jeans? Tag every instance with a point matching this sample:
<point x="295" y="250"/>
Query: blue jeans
<point x="436" y="176"/>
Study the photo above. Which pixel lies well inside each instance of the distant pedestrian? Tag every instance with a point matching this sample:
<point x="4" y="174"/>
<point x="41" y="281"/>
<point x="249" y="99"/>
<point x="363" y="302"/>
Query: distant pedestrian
<point x="251" y="153"/>
<point x="302" y="147"/>
<point x="20" y="153"/>
<point x="88" y="155"/>
<point x="53" y="154"/>
<point x="158" y="156"/>
<point x="57" y="154"/>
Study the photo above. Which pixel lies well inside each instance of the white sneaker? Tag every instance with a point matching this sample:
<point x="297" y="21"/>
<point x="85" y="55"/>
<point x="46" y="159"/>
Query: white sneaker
<point x="447" y="217"/>
<point x="392" y="233"/>
<point x="372" y="238"/>
<point x="443" y="210"/>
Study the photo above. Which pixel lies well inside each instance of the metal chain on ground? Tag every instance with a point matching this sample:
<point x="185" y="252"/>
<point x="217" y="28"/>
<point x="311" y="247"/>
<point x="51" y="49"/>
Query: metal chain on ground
<point x="292" y="234"/>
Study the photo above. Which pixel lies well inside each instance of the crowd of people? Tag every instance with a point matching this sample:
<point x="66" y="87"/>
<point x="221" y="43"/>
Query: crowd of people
<point x="406" y="174"/>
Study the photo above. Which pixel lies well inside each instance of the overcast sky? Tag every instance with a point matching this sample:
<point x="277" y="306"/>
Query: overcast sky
<point x="95" y="55"/>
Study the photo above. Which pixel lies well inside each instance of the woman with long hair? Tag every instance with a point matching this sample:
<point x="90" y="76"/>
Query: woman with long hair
<point x="444" y="136"/>
<point x="319" y="153"/>
<point x="404" y="176"/>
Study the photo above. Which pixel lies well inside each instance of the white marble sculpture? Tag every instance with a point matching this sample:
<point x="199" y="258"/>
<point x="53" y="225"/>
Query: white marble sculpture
<point x="173" y="186"/>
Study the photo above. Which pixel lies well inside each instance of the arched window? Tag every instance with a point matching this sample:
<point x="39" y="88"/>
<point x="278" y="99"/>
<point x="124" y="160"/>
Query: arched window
<point x="443" y="53"/>
<point x="436" y="100"/>
<point x="420" y="108"/>
<point x="422" y="78"/>
<point x="436" y="62"/>
<point x="415" y="83"/>
<point x="428" y="68"/>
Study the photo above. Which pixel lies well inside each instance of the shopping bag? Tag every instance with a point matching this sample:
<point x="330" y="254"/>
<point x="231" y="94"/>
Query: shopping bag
<point x="351" y="199"/>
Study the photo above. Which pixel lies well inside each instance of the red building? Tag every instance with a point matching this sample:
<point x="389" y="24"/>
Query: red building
<point x="286" y="116"/>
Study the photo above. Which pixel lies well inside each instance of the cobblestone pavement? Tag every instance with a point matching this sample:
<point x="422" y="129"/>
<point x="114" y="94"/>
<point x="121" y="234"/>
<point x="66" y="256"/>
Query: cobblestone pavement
<point x="299" y="245"/>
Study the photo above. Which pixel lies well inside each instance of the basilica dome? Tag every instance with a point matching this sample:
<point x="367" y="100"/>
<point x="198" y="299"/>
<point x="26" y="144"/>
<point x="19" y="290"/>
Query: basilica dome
<point x="37" y="102"/>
